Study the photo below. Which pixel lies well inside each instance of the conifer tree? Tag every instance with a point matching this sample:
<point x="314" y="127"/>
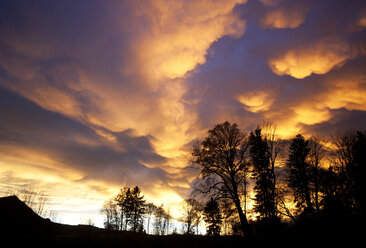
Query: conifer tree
<point x="212" y="217"/>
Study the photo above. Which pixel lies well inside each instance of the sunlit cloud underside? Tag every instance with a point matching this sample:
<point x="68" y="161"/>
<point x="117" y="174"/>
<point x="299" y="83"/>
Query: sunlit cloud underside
<point x="98" y="95"/>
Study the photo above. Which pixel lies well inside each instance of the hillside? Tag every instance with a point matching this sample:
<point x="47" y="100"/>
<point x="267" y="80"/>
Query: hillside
<point x="18" y="220"/>
<point x="21" y="226"/>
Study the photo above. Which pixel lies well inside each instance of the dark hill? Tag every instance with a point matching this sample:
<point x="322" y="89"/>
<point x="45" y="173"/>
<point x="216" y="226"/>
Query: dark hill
<point x="20" y="226"/>
<point x="17" y="219"/>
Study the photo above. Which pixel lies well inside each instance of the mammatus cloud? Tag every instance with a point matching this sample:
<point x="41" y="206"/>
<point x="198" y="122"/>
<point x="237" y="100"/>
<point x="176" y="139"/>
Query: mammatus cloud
<point x="256" y="101"/>
<point x="181" y="32"/>
<point x="271" y="2"/>
<point x="284" y="17"/>
<point x="362" y="19"/>
<point x="338" y="94"/>
<point x="318" y="58"/>
<point x="117" y="77"/>
<point x="103" y="94"/>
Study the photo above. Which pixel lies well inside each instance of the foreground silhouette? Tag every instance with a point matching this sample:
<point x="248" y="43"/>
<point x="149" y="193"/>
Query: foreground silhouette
<point x="21" y="226"/>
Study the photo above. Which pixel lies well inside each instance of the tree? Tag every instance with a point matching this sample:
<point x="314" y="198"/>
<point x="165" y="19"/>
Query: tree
<point x="276" y="148"/>
<point x="162" y="220"/>
<point x="350" y="160"/>
<point x="150" y="209"/>
<point x="132" y="208"/>
<point x="37" y="199"/>
<point x="222" y="160"/>
<point x="299" y="174"/>
<point x="159" y="220"/>
<point x="316" y="156"/>
<point x="192" y="212"/>
<point x="120" y="199"/>
<point x="135" y="209"/>
<point x="359" y="153"/>
<point x="112" y="218"/>
<point x="264" y="176"/>
<point x="212" y="217"/>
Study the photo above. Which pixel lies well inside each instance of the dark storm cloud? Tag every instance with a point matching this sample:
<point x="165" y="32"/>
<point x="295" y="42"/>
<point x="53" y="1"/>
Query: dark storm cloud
<point x="26" y="125"/>
<point x="118" y="90"/>
<point x="342" y="120"/>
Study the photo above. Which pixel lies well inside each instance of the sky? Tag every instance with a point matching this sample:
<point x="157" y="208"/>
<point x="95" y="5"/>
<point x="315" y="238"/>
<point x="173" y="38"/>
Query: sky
<point x="97" y="95"/>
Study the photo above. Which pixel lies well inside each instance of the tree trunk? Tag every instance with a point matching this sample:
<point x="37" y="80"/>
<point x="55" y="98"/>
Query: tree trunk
<point x="243" y="219"/>
<point x="316" y="188"/>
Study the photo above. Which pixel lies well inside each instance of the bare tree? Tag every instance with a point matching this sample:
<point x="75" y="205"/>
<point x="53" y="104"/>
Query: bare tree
<point x="159" y="223"/>
<point x="349" y="156"/>
<point x="276" y="148"/>
<point x="110" y="211"/>
<point x="150" y="210"/>
<point x="167" y="218"/>
<point x="316" y="156"/>
<point x="37" y="199"/>
<point x="192" y="214"/>
<point x="284" y="198"/>
<point x="222" y="160"/>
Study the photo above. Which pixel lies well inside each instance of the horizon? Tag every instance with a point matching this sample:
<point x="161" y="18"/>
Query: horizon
<point x="96" y="95"/>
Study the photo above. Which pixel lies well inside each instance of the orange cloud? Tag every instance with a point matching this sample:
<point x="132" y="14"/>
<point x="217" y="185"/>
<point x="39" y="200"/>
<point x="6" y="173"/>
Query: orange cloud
<point x="271" y="2"/>
<point x="309" y="114"/>
<point x="348" y="94"/>
<point x="284" y="18"/>
<point x="317" y="58"/>
<point x="256" y="101"/>
<point x="182" y="32"/>
<point x="362" y="19"/>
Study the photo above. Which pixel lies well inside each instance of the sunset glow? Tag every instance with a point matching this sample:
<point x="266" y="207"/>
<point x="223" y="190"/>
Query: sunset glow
<point x="97" y="95"/>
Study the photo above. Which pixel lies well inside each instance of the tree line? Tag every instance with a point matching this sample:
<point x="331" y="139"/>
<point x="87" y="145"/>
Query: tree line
<point x="290" y="181"/>
<point x="128" y="210"/>
<point x="320" y="178"/>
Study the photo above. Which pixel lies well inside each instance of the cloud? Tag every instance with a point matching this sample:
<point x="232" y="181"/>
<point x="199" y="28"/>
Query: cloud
<point x="309" y="114"/>
<point x="181" y="32"/>
<point x="271" y="2"/>
<point x="341" y="120"/>
<point x="284" y="16"/>
<point x="99" y="95"/>
<point x="362" y="19"/>
<point x="96" y="76"/>
<point x="46" y="143"/>
<point x="256" y="101"/>
<point x="131" y="124"/>
<point x="318" y="58"/>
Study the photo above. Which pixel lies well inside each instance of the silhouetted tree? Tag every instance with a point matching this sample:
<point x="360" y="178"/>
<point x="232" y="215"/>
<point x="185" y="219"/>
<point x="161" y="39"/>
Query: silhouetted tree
<point x="222" y="160"/>
<point x="37" y="199"/>
<point x="331" y="187"/>
<point x="212" y="217"/>
<point x="135" y="209"/>
<point x="167" y="218"/>
<point x="112" y="218"/>
<point x="315" y="158"/>
<point x="192" y="214"/>
<point x="230" y="217"/>
<point x="150" y="210"/>
<point x="298" y="176"/>
<point x="263" y="174"/>
<point x="350" y="157"/>
<point x="359" y="153"/>
<point x="162" y="220"/>
<point x="276" y="148"/>
<point x="132" y="208"/>
<point x="120" y="199"/>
